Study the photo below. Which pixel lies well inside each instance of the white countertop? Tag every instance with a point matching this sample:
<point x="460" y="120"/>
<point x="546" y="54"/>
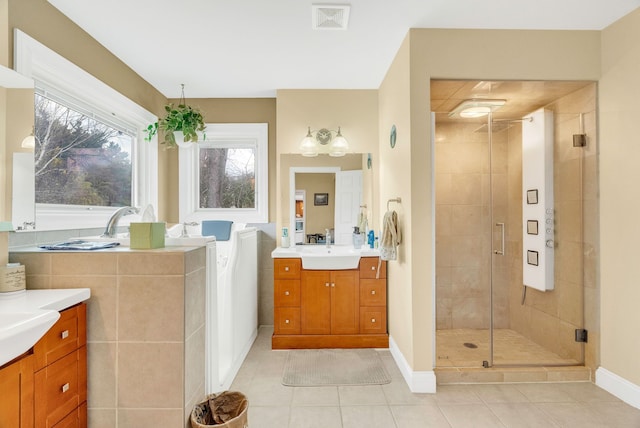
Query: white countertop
<point x="26" y="316"/>
<point x="299" y="250"/>
<point x="52" y="299"/>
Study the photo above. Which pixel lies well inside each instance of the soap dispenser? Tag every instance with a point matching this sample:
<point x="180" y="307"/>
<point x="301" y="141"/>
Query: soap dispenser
<point x="358" y="239"/>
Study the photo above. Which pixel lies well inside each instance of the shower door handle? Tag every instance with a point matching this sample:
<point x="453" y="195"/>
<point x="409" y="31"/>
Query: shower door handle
<point x="500" y="252"/>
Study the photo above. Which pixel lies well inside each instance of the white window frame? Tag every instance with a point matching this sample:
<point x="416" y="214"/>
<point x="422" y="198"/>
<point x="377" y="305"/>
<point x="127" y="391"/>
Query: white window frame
<point x="49" y="69"/>
<point x="256" y="134"/>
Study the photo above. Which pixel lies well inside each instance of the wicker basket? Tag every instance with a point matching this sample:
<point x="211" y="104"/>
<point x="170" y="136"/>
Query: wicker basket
<point x="201" y="414"/>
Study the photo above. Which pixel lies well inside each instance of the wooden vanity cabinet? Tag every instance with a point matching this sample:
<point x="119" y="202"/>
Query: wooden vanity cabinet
<point x="60" y="377"/>
<point x="286" y="299"/>
<point x="16" y="396"/>
<point x="329" y="309"/>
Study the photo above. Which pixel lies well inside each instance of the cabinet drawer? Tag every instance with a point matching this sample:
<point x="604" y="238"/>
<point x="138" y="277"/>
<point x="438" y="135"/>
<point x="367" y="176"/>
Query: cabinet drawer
<point x="286" y="292"/>
<point x="373" y="292"/>
<point x="287" y="321"/>
<point x="66" y="335"/>
<point x="58" y="389"/>
<point x="286" y="268"/>
<point x="373" y="320"/>
<point x="369" y="267"/>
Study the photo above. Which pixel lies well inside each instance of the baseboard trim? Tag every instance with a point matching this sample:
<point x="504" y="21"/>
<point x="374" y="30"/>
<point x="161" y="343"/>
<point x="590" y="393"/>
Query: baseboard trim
<point x="618" y="386"/>
<point x="418" y="382"/>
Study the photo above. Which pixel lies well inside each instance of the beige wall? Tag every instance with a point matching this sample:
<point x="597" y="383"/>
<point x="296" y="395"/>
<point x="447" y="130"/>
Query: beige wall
<point x="619" y="202"/>
<point x="228" y="110"/>
<point x="395" y="181"/>
<point x="463" y="54"/>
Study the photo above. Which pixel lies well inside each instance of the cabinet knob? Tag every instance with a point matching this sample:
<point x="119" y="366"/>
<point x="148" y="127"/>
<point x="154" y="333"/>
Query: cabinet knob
<point x="286" y="321"/>
<point x="373" y="268"/>
<point x="286" y="293"/>
<point x="373" y="292"/>
<point x="286" y="268"/>
<point x="333" y="284"/>
<point x="65" y="387"/>
<point x="373" y="320"/>
<point x="326" y="284"/>
<point x="64" y="334"/>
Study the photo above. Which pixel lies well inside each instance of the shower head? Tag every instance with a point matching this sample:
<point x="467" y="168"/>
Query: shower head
<point x="476" y="108"/>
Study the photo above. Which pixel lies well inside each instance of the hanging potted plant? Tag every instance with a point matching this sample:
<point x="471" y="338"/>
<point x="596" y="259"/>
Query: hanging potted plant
<point x="180" y="125"/>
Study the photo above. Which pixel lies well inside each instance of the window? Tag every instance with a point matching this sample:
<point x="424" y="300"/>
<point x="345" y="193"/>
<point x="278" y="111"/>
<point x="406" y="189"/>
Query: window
<point x="90" y="154"/>
<point x="225" y="177"/>
<point x="79" y="160"/>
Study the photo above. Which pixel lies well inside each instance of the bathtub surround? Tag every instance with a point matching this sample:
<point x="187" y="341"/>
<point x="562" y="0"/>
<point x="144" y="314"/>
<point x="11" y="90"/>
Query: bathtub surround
<point x="146" y="329"/>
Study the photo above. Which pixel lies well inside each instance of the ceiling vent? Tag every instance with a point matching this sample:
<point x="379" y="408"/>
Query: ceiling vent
<point x="330" y="16"/>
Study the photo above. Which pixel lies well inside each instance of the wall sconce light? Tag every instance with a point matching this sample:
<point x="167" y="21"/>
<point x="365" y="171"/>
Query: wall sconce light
<point x="311" y="145"/>
<point x="29" y="142"/>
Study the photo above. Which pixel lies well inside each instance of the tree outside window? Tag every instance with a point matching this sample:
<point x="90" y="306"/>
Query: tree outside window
<point x="79" y="160"/>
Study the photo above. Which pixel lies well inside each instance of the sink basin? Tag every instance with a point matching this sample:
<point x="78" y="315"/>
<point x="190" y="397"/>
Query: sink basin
<point x="320" y="257"/>
<point x="19" y="331"/>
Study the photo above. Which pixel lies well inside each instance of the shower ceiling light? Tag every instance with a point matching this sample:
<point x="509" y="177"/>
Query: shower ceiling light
<point x="476" y="108"/>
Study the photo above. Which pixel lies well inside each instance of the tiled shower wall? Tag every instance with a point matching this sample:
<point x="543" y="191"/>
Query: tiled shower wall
<point x="463" y="226"/>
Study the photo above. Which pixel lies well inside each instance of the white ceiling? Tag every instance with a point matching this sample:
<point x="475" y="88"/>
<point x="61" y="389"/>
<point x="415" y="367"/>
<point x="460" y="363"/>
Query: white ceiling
<point x="251" y="48"/>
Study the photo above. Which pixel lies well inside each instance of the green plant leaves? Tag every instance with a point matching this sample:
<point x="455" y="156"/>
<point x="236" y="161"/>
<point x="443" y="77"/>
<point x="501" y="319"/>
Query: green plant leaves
<point x="183" y="118"/>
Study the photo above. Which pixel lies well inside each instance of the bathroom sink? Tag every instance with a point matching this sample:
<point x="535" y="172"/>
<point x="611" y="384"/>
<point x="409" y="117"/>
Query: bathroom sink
<point x="19" y="331"/>
<point x="336" y="257"/>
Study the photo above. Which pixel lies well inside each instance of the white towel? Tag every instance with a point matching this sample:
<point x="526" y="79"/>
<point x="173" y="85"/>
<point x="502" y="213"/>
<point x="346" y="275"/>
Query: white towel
<point x="390" y="237"/>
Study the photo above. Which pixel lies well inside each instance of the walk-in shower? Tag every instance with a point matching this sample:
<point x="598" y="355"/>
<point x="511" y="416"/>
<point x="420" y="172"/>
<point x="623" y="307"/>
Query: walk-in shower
<point x="485" y="316"/>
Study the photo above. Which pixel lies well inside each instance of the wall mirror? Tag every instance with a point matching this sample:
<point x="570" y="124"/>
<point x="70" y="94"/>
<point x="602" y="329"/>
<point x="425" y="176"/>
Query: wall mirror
<point x="346" y="181"/>
<point x="16" y="118"/>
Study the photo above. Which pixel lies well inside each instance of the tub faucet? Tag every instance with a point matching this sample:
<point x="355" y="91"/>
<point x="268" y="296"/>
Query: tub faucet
<point x="184" y="233"/>
<point x="112" y="224"/>
<point x="327" y="238"/>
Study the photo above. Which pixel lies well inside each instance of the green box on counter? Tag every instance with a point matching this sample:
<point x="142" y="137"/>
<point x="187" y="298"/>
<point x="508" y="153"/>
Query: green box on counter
<point x="145" y="236"/>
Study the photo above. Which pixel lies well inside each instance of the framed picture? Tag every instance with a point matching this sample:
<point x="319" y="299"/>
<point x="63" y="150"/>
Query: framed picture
<point x="532" y="227"/>
<point x="532" y="196"/>
<point x="320" y="199"/>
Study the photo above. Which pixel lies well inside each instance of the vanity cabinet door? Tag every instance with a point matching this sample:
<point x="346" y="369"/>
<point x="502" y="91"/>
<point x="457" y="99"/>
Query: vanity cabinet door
<point x="16" y="394"/>
<point x="329" y="302"/>
<point x="345" y="298"/>
<point x="315" y="302"/>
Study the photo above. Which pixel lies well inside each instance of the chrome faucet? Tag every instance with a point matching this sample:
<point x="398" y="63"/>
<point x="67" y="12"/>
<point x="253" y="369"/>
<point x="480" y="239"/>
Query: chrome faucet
<point x="112" y="224"/>
<point x="327" y="238"/>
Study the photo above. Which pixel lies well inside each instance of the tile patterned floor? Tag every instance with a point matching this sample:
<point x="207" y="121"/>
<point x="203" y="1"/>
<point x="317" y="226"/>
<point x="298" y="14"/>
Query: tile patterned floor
<point x="272" y="405"/>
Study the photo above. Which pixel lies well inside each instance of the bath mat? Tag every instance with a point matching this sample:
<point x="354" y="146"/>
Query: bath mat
<point x="330" y="367"/>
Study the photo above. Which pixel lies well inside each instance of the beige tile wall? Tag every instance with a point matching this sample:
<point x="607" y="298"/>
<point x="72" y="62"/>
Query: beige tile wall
<point x="463" y="238"/>
<point x="146" y="330"/>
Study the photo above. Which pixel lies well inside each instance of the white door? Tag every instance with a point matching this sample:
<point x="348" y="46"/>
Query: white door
<point x="347" y="205"/>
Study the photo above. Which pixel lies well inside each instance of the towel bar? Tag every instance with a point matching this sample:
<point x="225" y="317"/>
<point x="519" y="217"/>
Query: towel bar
<point x="398" y="200"/>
